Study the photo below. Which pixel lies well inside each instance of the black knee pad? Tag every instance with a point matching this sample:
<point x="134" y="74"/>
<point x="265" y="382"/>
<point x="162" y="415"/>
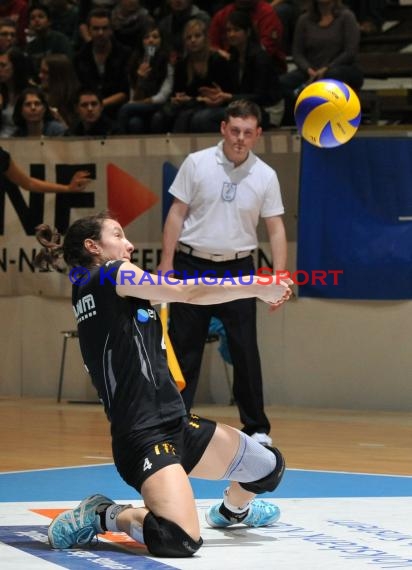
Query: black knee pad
<point x="271" y="481"/>
<point x="165" y="538"/>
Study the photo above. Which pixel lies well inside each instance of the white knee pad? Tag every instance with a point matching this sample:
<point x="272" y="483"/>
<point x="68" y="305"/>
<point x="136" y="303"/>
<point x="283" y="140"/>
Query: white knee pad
<point x="252" y="462"/>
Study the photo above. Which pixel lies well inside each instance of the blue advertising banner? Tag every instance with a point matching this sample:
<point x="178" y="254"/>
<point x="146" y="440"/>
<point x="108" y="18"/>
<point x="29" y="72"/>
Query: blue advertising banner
<point x="355" y="220"/>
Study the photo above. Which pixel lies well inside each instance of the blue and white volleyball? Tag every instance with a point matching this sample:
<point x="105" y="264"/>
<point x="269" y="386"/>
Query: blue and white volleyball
<point x="327" y="113"/>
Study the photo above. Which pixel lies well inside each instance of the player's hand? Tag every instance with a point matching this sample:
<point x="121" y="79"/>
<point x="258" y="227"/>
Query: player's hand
<point x="80" y="180"/>
<point x="288" y="293"/>
<point x="275" y="293"/>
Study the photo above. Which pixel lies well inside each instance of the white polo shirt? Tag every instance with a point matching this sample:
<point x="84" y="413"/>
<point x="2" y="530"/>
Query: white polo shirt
<point x="225" y="202"/>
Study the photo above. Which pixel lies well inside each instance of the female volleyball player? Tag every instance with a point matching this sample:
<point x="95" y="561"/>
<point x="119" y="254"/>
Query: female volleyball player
<point x="155" y="444"/>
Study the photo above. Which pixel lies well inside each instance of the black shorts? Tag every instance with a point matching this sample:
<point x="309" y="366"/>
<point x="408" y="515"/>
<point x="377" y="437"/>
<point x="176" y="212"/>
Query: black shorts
<point x="139" y="454"/>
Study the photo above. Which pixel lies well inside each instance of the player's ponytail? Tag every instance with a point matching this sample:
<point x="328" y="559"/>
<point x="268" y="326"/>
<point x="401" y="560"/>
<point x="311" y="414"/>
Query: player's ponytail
<point x="72" y="250"/>
<point x="51" y="253"/>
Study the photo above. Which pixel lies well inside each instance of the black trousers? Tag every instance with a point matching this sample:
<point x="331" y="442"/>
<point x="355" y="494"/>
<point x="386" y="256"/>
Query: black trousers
<point x="188" y="330"/>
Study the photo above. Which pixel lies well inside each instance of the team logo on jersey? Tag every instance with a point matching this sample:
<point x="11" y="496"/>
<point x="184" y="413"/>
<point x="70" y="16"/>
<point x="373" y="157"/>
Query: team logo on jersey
<point x="194" y="421"/>
<point x="85" y="308"/>
<point x="143" y="315"/>
<point x="229" y="191"/>
<point x="164" y="448"/>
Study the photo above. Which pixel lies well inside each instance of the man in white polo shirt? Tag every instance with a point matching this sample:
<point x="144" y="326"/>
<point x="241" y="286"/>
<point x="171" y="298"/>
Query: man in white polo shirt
<point x="211" y="229"/>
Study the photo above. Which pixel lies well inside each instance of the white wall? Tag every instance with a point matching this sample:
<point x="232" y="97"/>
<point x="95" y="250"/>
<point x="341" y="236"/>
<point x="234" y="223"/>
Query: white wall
<point x="31" y="347"/>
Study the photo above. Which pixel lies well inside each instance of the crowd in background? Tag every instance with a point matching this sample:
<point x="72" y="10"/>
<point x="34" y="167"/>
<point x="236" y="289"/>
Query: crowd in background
<point x="104" y="67"/>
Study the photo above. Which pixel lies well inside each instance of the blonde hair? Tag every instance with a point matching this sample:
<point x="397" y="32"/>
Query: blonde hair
<point x="192" y="24"/>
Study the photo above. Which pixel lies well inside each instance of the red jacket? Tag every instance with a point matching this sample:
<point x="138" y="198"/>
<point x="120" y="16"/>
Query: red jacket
<point x="267" y="25"/>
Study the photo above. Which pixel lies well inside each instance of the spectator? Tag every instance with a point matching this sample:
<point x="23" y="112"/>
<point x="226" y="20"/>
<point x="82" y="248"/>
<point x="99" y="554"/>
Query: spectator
<point x="8" y="34"/>
<point x="157" y="10"/>
<point x="253" y="70"/>
<point x="45" y="39"/>
<point x="288" y="12"/>
<point x="369" y="13"/>
<point x="102" y="63"/>
<point x="172" y="25"/>
<point x="266" y="23"/>
<point x="14" y="77"/>
<point x="16" y="10"/>
<point x="33" y="117"/>
<point x="91" y="122"/>
<point x="59" y="82"/>
<point x="325" y="45"/>
<point x="85" y="7"/>
<point x="129" y="20"/>
<point x="200" y="68"/>
<point x="64" y="18"/>
<point x="151" y="81"/>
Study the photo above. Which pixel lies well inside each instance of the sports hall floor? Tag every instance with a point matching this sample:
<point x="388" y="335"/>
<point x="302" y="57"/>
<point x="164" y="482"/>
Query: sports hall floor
<point x="346" y="498"/>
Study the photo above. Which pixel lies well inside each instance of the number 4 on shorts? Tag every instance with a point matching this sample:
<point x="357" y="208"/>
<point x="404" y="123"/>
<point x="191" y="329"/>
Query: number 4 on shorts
<point x="147" y="465"/>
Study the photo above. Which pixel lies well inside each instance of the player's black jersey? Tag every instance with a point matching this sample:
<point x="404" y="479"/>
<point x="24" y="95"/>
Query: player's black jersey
<point x="121" y="341"/>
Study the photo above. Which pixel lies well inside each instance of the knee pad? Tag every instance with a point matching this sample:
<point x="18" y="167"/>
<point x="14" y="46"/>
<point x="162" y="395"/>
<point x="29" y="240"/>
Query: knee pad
<point x="165" y="538"/>
<point x="256" y="467"/>
<point x="271" y="481"/>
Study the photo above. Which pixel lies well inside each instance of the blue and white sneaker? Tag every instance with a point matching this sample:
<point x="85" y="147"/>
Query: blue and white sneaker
<point x="260" y="513"/>
<point x="80" y="525"/>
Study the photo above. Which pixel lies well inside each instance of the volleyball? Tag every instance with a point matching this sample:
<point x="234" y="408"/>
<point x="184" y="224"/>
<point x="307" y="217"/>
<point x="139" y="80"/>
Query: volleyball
<point x="327" y="113"/>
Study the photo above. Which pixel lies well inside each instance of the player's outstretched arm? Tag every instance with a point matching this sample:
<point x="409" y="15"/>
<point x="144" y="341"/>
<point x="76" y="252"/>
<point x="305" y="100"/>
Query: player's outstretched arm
<point x="132" y="281"/>
<point x="16" y="175"/>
